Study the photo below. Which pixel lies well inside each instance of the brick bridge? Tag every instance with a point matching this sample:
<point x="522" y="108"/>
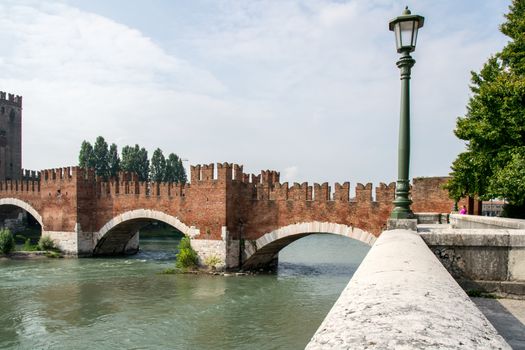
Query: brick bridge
<point x="241" y="219"/>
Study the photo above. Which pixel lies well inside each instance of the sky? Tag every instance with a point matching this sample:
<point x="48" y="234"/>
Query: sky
<point x="306" y="87"/>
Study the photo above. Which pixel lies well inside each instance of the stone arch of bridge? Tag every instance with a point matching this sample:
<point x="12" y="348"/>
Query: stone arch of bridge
<point x="263" y="252"/>
<point x="115" y="235"/>
<point x="23" y="205"/>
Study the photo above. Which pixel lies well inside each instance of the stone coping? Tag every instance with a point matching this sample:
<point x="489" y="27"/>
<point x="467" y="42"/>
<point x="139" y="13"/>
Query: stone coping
<point x="401" y="297"/>
<point x="481" y="222"/>
<point x="474" y="237"/>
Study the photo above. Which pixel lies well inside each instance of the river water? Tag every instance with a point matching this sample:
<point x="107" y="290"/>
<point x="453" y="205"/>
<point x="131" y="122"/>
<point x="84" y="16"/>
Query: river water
<point x="124" y="303"/>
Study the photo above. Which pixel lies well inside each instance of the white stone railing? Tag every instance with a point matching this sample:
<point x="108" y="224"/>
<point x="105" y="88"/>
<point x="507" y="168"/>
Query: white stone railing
<point x="485" y="222"/>
<point x="402" y="297"/>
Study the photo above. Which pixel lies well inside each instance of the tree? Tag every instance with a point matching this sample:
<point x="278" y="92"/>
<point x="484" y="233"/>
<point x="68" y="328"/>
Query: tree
<point x="101" y="155"/>
<point x="128" y="161"/>
<point x="135" y="160"/>
<point x="171" y="168"/>
<point x="85" y="157"/>
<point x="158" y="166"/>
<point x="494" y="127"/>
<point x="175" y="171"/>
<point x="113" y="161"/>
<point x="143" y="165"/>
<point x="181" y="173"/>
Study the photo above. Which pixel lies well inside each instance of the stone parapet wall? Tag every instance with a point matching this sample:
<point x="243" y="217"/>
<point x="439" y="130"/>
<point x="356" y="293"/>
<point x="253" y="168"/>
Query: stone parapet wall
<point x="401" y="297"/>
<point x="485" y="222"/>
<point x="485" y="259"/>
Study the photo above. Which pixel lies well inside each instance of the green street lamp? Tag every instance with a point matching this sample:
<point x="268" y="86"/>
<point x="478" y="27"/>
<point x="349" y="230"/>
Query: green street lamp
<point x="405" y="28"/>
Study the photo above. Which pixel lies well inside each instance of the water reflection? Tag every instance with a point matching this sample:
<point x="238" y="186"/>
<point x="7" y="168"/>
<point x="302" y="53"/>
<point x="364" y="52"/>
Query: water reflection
<point x="125" y="303"/>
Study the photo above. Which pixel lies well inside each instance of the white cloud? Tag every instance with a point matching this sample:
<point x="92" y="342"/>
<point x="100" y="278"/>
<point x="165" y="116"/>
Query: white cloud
<point x="310" y="83"/>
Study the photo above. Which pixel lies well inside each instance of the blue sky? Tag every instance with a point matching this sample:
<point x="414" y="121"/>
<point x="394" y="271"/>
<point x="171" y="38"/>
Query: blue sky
<point x="309" y="88"/>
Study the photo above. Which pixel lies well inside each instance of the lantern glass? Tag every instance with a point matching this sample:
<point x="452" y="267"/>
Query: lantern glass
<point x="406" y="35"/>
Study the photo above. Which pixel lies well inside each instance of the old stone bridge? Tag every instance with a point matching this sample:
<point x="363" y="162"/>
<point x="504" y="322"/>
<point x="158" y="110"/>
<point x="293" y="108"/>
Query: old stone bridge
<point x="244" y="220"/>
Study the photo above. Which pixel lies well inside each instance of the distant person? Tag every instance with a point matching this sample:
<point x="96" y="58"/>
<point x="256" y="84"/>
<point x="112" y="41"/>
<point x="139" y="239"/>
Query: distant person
<point x="463" y="210"/>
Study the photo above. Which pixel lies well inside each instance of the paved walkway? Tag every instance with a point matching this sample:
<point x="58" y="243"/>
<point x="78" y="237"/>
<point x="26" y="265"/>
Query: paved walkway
<point x="507" y="316"/>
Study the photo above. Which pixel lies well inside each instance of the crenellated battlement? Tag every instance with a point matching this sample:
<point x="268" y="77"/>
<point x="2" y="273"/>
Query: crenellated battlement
<point x="32" y="175"/>
<point x="59" y="174"/>
<point x="12" y="99"/>
<point x="142" y="189"/>
<point x="266" y="185"/>
<point x="16" y="186"/>
<point x="263" y="187"/>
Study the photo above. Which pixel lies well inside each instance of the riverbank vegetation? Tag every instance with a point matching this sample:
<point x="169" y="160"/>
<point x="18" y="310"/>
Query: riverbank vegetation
<point x="44" y="247"/>
<point x="134" y="159"/>
<point x="187" y="257"/>
<point x="493" y="165"/>
<point x="7" y="242"/>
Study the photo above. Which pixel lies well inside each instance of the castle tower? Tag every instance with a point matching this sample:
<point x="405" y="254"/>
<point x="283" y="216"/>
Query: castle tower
<point x="10" y="136"/>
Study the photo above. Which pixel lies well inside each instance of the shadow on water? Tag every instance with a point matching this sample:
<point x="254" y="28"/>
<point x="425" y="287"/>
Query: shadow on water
<point x="158" y="241"/>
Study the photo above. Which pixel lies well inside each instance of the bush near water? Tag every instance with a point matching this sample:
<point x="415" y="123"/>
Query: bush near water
<point x="7" y="242"/>
<point x="46" y="243"/>
<point x="187" y="256"/>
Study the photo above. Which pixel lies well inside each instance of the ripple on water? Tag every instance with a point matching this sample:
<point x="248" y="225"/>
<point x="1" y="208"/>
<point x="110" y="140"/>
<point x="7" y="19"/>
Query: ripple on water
<point x="124" y="303"/>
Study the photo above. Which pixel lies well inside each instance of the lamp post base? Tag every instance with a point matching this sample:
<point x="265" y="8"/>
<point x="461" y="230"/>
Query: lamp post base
<point x="402" y="213"/>
<point x="402" y="202"/>
<point x="401" y="224"/>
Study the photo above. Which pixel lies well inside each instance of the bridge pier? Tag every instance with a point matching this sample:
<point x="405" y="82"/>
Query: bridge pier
<point x="225" y="249"/>
<point x="75" y="243"/>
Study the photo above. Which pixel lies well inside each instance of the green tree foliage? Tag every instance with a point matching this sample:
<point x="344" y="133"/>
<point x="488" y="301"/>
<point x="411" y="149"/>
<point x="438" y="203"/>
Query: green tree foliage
<point x="7" y="242"/>
<point x="186" y="257"/>
<point x="101" y="155"/>
<point x="175" y="171"/>
<point x="143" y="165"/>
<point x="128" y="159"/>
<point x="135" y="159"/>
<point x="113" y="161"/>
<point x="494" y="127"/>
<point x="86" y="158"/>
<point x="171" y="168"/>
<point x="181" y="172"/>
<point x="46" y="243"/>
<point x="158" y="166"/>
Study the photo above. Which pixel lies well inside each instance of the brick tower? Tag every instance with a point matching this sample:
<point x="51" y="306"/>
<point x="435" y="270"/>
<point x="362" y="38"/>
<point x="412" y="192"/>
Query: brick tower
<point x="10" y="136"/>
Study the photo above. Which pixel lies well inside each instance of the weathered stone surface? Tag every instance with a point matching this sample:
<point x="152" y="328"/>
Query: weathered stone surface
<point x="402" y="224"/>
<point x="485" y="222"/>
<point x="401" y="297"/>
<point x="485" y="256"/>
<point x="207" y="248"/>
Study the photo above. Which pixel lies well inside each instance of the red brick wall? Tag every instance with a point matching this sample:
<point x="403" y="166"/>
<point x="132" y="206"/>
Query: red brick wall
<point x="252" y="204"/>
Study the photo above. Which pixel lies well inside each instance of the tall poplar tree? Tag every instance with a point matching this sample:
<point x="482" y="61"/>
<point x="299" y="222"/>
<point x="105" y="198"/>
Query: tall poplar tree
<point x="171" y="168"/>
<point x="86" y="158"/>
<point x="493" y="165"/>
<point x="113" y="161"/>
<point x="101" y="155"/>
<point x="158" y="166"/>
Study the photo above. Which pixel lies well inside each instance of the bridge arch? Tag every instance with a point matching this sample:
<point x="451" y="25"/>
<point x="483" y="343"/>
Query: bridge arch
<point x="127" y="224"/>
<point x="263" y="252"/>
<point x="24" y="205"/>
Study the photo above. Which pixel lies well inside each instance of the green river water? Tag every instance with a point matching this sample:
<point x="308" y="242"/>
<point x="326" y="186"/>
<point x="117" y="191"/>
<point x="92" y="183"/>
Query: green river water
<point x="123" y="303"/>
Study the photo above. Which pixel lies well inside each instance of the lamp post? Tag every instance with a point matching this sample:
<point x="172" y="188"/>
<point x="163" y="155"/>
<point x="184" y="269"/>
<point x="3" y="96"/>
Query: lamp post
<point x="405" y="28"/>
